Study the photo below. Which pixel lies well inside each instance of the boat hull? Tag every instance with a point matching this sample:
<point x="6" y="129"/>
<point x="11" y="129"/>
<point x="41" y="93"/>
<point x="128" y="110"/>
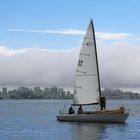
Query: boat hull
<point x="97" y="118"/>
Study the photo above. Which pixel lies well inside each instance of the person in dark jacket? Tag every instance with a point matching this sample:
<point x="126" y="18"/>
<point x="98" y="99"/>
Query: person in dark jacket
<point x="103" y="103"/>
<point x="71" y="111"/>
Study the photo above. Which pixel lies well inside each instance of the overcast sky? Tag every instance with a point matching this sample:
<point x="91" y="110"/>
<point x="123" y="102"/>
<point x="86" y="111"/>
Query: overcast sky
<point x="40" y="41"/>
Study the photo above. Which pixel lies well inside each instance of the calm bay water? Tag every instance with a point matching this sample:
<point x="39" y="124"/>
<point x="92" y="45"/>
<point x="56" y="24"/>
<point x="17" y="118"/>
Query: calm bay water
<point x="36" y="120"/>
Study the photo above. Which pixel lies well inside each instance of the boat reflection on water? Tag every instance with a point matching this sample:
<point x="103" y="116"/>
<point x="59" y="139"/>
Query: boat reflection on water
<point x="97" y="131"/>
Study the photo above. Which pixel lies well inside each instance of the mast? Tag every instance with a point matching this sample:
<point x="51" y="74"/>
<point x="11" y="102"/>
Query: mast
<point x="96" y="60"/>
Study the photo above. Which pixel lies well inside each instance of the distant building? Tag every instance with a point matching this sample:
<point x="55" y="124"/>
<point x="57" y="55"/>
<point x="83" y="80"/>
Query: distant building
<point x="53" y="89"/>
<point x="23" y="89"/>
<point x="60" y="91"/>
<point x="37" y="90"/>
<point x="4" y="90"/>
<point x="47" y="90"/>
<point x="63" y="94"/>
<point x="46" y="93"/>
<point x="54" y="93"/>
<point x="68" y="93"/>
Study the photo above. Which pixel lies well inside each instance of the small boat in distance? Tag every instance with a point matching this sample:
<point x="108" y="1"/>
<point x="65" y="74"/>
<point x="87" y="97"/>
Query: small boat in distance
<point x="87" y="90"/>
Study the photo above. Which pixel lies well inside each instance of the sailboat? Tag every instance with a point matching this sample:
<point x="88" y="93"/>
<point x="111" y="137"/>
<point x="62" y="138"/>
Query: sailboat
<point x="87" y="89"/>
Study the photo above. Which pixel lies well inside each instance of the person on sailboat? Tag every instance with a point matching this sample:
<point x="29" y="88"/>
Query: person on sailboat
<point x="71" y="111"/>
<point x="103" y="103"/>
<point x="80" y="110"/>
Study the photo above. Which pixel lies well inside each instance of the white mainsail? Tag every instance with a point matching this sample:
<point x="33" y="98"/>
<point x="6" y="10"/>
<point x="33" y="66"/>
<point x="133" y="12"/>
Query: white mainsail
<point x="87" y="86"/>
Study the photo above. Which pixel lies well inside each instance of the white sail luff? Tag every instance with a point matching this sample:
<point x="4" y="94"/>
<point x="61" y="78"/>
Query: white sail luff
<point x="87" y="80"/>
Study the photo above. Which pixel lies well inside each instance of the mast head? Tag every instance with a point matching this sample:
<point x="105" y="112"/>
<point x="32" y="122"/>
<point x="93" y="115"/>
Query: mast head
<point x="91" y="20"/>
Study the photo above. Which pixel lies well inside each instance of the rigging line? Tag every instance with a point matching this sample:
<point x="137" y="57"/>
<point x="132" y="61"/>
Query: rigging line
<point x="88" y="38"/>
<point x="96" y="103"/>
<point x="88" y="75"/>
<point x="106" y="75"/>
<point x="81" y="71"/>
<point x="86" y="44"/>
<point x="84" y="54"/>
<point x="77" y="87"/>
<point x="65" y="105"/>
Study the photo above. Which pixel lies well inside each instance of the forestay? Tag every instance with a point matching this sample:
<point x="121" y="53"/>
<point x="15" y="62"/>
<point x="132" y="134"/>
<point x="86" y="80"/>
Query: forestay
<point x="87" y="86"/>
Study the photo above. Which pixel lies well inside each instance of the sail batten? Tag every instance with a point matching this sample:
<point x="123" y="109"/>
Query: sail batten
<point x="87" y="76"/>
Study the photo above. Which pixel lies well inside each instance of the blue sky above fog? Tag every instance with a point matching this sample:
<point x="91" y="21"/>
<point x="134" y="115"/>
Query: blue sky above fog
<point x="121" y="16"/>
<point x="40" y="41"/>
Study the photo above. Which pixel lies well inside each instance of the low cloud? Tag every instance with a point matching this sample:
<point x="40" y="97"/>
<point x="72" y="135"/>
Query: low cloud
<point x="112" y="36"/>
<point x="36" y="66"/>
<point x="100" y="35"/>
<point x="50" y="31"/>
<point x="119" y="66"/>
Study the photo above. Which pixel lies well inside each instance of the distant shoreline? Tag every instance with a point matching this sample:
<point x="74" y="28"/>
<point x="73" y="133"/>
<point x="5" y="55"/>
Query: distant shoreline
<point x="59" y="93"/>
<point x="58" y="99"/>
